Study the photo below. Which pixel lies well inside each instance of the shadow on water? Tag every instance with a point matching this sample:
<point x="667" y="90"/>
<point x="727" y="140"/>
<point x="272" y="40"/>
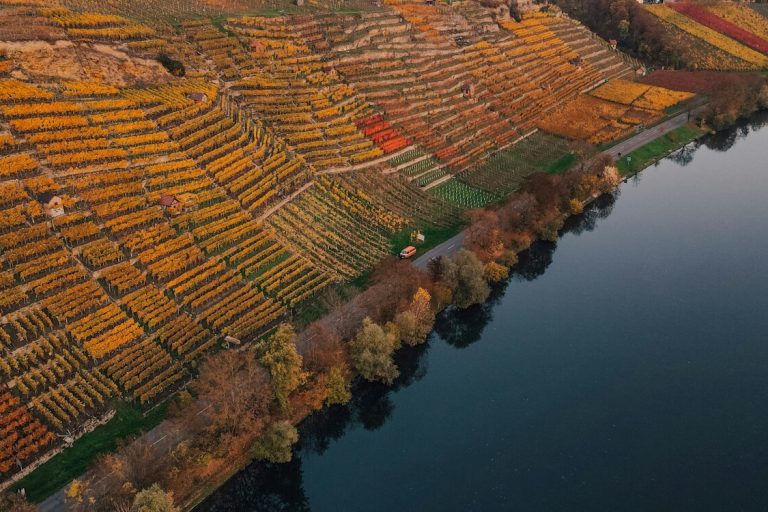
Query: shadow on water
<point x="462" y="328"/>
<point x="725" y="139"/>
<point x="279" y="487"/>
<point x="262" y="487"/>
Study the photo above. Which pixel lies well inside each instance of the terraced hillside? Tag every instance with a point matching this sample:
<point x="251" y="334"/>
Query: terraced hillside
<point x="717" y="36"/>
<point x="152" y="213"/>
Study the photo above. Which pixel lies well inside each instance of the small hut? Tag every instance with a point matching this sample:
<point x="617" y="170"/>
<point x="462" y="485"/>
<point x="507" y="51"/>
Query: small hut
<point x="198" y="97"/>
<point x="52" y="204"/>
<point x="176" y="205"/>
<point x="468" y="90"/>
<point x="257" y="46"/>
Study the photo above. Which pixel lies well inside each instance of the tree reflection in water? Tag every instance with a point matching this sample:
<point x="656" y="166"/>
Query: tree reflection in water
<point x="684" y="155"/>
<point x="262" y="487"/>
<point x="279" y="487"/>
<point x="725" y="139"/>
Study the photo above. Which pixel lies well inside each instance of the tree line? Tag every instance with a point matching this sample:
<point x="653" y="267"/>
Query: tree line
<point x="245" y="403"/>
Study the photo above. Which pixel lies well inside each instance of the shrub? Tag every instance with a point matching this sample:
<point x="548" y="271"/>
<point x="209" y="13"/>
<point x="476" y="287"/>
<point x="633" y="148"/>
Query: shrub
<point x="337" y="387"/>
<point x="464" y="275"/>
<point x="275" y="445"/>
<point x="371" y="353"/>
<point x="153" y="499"/>
<point x="495" y="272"/>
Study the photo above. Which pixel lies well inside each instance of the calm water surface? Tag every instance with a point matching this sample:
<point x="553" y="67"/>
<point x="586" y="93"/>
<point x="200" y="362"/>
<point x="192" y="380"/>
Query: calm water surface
<point x="624" y="368"/>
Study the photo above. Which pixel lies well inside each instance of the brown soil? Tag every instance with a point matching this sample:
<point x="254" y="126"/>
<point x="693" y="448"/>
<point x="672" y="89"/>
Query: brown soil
<point x="79" y="61"/>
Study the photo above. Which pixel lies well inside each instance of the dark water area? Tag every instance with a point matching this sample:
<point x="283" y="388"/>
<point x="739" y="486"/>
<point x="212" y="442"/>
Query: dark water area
<point x="623" y="368"/>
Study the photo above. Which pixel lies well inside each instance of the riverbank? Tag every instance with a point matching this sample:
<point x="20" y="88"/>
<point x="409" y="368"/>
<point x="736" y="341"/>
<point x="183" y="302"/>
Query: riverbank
<point x="452" y="245"/>
<point x="235" y="464"/>
<point x="632" y="156"/>
<point x="649" y="154"/>
<point x="590" y="365"/>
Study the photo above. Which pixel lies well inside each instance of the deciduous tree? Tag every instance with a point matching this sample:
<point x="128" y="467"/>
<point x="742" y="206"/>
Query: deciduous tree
<point x="465" y="276"/>
<point x="495" y="272"/>
<point x="338" y="387"/>
<point x="284" y="364"/>
<point x="234" y="389"/>
<point x="416" y="322"/>
<point x="371" y="353"/>
<point x="153" y="499"/>
<point x="320" y="347"/>
<point x="276" y="443"/>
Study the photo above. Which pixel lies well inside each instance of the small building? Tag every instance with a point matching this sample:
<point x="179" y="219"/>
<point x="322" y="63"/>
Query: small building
<point x="176" y="205"/>
<point x="614" y="43"/>
<point x="468" y="89"/>
<point x="166" y="201"/>
<point x="199" y="97"/>
<point x="257" y="46"/>
<point x="52" y="204"/>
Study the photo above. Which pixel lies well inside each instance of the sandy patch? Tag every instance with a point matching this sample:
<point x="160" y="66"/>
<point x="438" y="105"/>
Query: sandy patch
<point x="80" y="61"/>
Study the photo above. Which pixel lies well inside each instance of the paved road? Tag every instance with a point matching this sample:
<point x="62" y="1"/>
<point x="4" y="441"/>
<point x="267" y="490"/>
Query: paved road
<point x="56" y="502"/>
<point x="446" y="248"/>
<point x="167" y="439"/>
<point x="651" y="134"/>
<point x="450" y="246"/>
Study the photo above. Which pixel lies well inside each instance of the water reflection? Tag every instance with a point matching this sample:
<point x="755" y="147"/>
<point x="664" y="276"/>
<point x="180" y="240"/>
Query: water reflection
<point x="264" y="488"/>
<point x="267" y="487"/>
<point x="684" y="155"/>
<point x="463" y="328"/>
<point x="278" y="487"/>
<point x="724" y="140"/>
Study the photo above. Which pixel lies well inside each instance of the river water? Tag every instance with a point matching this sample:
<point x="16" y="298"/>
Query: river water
<point x="624" y="368"/>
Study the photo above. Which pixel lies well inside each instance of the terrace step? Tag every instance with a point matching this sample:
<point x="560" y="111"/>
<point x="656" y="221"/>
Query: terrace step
<point x="438" y="182"/>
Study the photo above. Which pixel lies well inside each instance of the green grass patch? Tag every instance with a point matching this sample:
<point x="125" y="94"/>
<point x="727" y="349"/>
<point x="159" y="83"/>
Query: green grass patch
<point x="129" y="420"/>
<point x="362" y="281"/>
<point x="659" y="148"/>
<point x="309" y="312"/>
<point x="433" y="236"/>
<point x="562" y="164"/>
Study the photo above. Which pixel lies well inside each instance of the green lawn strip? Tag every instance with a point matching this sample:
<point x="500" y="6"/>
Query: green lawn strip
<point x="562" y="164"/>
<point x="129" y="420"/>
<point x="642" y="157"/>
<point x="433" y="236"/>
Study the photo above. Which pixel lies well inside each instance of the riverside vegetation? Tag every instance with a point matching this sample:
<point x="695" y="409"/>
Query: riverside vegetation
<point x="270" y="172"/>
<point x="245" y="402"/>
